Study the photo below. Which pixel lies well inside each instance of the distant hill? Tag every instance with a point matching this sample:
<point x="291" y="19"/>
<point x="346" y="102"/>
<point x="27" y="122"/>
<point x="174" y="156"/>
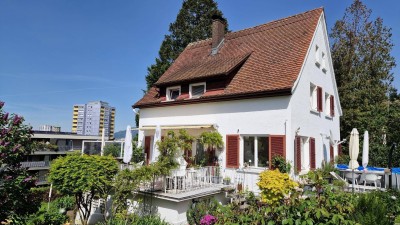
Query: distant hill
<point x="121" y="134"/>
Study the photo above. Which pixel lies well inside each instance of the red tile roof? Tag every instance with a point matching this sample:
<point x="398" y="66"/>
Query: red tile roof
<point x="273" y="54"/>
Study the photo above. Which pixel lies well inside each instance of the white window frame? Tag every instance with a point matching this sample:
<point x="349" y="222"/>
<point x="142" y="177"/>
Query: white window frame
<point x="197" y="84"/>
<point x="317" y="57"/>
<point x="313" y="97"/>
<point x="169" y="89"/>
<point x="255" y="162"/>
<point x="328" y="105"/>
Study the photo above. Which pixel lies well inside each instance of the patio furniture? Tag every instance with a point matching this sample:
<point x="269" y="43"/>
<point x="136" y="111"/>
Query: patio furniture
<point x="349" y="176"/>
<point x="371" y="179"/>
<point x="350" y="186"/>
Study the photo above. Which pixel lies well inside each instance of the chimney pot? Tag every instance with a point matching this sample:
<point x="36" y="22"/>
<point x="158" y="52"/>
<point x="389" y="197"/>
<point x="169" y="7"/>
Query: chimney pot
<point x="218" y="30"/>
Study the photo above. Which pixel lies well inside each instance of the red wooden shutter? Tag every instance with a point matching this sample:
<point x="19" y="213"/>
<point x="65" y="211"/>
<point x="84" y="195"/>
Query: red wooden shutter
<point x="332" y="106"/>
<point x="319" y="99"/>
<point x="298" y="154"/>
<point x="331" y="153"/>
<point x="276" y="147"/>
<point x="147" y="141"/>
<point x="232" y="151"/>
<point x="340" y="149"/>
<point x="312" y="153"/>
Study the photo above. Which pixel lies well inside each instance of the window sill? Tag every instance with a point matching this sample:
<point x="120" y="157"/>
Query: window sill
<point x="254" y="170"/>
<point x="329" y="117"/>
<point x="314" y="111"/>
<point x="318" y="64"/>
<point x="324" y="70"/>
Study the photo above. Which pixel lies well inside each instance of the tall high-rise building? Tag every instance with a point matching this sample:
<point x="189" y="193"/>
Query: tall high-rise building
<point x="91" y="118"/>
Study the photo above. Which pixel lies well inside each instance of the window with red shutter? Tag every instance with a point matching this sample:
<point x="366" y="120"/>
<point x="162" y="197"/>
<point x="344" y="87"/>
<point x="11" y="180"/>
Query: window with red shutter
<point x="232" y="151"/>
<point x="147" y="146"/>
<point x="277" y="146"/>
<point x="312" y="153"/>
<point x="332" y="106"/>
<point x="319" y="99"/>
<point x="298" y="153"/>
<point x="331" y="153"/>
<point x="340" y="149"/>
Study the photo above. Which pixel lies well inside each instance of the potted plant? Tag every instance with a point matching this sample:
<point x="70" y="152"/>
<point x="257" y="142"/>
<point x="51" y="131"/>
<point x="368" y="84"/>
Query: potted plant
<point x="227" y="180"/>
<point x="212" y="141"/>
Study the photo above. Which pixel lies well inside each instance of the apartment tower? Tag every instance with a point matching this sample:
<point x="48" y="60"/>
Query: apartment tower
<point x="91" y="118"/>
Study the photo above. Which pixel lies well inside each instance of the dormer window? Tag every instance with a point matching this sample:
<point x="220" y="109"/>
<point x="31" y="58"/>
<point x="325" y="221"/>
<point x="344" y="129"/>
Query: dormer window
<point x="173" y="93"/>
<point x="197" y="90"/>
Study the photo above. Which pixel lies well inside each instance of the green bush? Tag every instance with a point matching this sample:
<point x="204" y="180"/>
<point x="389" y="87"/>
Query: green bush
<point x="65" y="202"/>
<point x="201" y="208"/>
<point x="279" y="162"/>
<point x="50" y="217"/>
<point x="342" y="159"/>
<point x="134" y="219"/>
<point x="137" y="154"/>
<point x="113" y="149"/>
<point x="370" y="209"/>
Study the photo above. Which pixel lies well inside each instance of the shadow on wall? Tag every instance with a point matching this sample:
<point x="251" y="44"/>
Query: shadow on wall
<point x="234" y="106"/>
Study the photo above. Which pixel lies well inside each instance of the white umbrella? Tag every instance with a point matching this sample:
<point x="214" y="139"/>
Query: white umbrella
<point x="354" y="149"/>
<point x="157" y="138"/>
<point x="365" y="150"/>
<point x="128" y="145"/>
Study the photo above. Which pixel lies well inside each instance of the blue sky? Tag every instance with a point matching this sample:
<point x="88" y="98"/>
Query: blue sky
<point x="54" y="54"/>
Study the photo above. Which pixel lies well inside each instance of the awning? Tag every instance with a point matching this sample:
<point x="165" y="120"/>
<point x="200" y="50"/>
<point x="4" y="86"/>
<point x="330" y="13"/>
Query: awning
<point x="176" y="127"/>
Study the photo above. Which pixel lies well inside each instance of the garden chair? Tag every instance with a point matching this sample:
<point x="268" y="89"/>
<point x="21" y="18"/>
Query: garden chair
<point x="349" y="177"/>
<point x="371" y="179"/>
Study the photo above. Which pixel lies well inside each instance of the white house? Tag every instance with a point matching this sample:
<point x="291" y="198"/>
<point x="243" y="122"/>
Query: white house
<point x="269" y="90"/>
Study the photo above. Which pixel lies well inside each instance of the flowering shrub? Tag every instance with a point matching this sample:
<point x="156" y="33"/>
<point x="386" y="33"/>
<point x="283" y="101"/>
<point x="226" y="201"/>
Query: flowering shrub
<point x="274" y="185"/>
<point x="208" y="220"/>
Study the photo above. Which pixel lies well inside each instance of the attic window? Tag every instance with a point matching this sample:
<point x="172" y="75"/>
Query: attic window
<point x="197" y="90"/>
<point x="173" y="93"/>
<point x="323" y="62"/>
<point x="317" y="57"/>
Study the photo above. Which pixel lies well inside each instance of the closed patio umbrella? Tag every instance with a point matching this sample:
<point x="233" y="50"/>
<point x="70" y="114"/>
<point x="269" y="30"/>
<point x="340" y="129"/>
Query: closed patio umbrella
<point x="128" y="145"/>
<point x="365" y="150"/>
<point x="354" y="149"/>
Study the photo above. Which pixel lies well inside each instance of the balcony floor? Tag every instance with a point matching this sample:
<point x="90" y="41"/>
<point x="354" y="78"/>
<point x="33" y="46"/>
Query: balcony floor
<point x="182" y="196"/>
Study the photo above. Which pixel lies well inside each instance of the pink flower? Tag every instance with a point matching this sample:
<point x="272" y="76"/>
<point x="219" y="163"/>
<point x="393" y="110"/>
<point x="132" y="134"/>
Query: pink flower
<point x="208" y="220"/>
<point x="5" y="116"/>
<point x="17" y="119"/>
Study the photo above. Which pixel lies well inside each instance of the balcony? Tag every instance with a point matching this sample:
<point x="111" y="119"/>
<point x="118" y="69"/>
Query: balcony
<point x="37" y="165"/>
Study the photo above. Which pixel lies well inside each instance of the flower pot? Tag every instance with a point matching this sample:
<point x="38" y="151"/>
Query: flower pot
<point x="226" y="182"/>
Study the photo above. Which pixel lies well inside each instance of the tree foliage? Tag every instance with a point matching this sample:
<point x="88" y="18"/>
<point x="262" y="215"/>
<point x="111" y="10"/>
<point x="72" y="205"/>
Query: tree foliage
<point x="363" y="63"/>
<point x="16" y="197"/>
<point x="84" y="177"/>
<point x="193" y="23"/>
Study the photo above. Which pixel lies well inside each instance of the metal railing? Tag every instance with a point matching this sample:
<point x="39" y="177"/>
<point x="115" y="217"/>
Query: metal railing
<point x="37" y="164"/>
<point x="185" y="180"/>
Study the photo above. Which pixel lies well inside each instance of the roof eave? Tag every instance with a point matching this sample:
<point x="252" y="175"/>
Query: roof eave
<point x="227" y="97"/>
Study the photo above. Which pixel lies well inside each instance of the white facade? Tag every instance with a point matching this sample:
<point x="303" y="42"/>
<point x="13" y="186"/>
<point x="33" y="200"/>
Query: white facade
<point x="260" y="117"/>
<point x="295" y="116"/>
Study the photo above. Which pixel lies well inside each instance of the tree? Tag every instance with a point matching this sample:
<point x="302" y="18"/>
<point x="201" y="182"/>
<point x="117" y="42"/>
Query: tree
<point x="16" y="197"/>
<point x="193" y="23"/>
<point x="113" y="149"/>
<point x="363" y="63"/>
<point x="84" y="177"/>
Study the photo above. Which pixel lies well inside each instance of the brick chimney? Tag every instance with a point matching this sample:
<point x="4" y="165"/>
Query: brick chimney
<point x="218" y="30"/>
